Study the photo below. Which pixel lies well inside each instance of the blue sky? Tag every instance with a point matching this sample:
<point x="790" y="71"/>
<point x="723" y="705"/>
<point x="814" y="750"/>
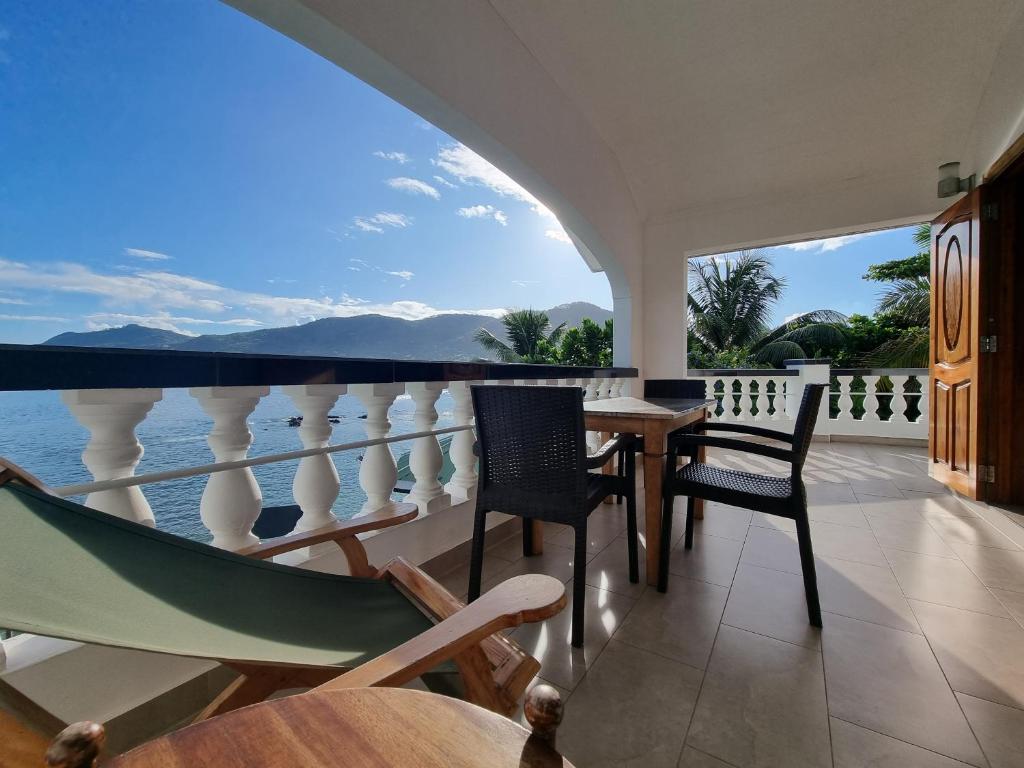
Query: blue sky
<point x="154" y="173"/>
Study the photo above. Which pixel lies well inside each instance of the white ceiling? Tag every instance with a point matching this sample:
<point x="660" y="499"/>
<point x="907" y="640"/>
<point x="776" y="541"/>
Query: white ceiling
<point x="710" y="102"/>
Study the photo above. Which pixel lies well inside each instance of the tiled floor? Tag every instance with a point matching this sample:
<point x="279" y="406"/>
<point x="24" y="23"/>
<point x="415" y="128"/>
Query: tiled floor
<point x="920" y="662"/>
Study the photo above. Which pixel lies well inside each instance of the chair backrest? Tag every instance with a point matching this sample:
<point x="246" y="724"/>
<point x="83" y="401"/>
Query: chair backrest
<point x="675" y="388"/>
<point x="532" y="444"/>
<point x="803" y="429"/>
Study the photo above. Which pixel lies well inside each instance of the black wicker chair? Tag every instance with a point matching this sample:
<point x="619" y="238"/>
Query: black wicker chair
<point x="782" y="496"/>
<point x="533" y="464"/>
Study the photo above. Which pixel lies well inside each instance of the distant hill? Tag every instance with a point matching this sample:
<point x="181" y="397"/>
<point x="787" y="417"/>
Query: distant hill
<point x="442" y="337"/>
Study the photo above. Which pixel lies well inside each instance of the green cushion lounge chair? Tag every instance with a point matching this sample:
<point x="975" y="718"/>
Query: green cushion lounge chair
<point x="72" y="572"/>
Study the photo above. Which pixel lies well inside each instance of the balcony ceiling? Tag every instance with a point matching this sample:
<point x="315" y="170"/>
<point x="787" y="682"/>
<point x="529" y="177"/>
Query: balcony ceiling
<point x="711" y="101"/>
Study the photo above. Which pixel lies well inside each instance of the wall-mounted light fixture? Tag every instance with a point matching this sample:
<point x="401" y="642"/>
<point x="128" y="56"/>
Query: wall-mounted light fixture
<point x="950" y="183"/>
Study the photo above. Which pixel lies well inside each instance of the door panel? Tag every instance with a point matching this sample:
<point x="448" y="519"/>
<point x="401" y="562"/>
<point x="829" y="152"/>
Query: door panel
<point x="953" y="430"/>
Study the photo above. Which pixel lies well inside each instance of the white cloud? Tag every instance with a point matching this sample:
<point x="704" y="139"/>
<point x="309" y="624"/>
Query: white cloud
<point x="18" y="302"/>
<point x="413" y="187"/>
<point x="399" y="157"/>
<point x="483" y="212"/>
<point x="444" y="182"/>
<point x="140" y="253"/>
<point x="404" y="274"/>
<point x="378" y="221"/>
<point x="559" y="235"/>
<point x="829" y="243"/>
<point x="791" y="318"/>
<point x="468" y="167"/>
<point x="524" y="283"/>
<point x="162" y="320"/>
<point x="35" y="318"/>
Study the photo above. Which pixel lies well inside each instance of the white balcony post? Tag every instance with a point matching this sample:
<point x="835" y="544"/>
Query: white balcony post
<point x="845" y="403"/>
<point x="462" y="486"/>
<point x="232" y="500"/>
<point x="615" y="388"/>
<point x="377" y="473"/>
<point x="590" y="392"/>
<point x="762" y="397"/>
<point x="316" y="483"/>
<point x="426" y="459"/>
<point x="744" y="405"/>
<point x="870" y="398"/>
<point x="779" y="399"/>
<point x="113" y="451"/>
<point x="898" y="403"/>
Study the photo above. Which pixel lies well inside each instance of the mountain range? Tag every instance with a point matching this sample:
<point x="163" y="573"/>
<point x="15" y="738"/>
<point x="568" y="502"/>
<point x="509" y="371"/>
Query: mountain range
<point x="441" y="337"/>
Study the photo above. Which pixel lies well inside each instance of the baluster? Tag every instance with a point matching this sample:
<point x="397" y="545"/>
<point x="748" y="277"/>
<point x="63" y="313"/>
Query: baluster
<point x="316" y="483"/>
<point x="898" y="403"/>
<point x="615" y="389"/>
<point x="377" y="472"/>
<point x="744" y="413"/>
<point x="232" y="500"/>
<point x="462" y="486"/>
<point x="709" y="394"/>
<point x="113" y="451"/>
<point x="845" y="403"/>
<point x="776" y="384"/>
<point x="590" y="392"/>
<point x="604" y="387"/>
<point x="782" y="399"/>
<point x="426" y="459"/>
<point x="870" y="398"/>
<point x="762" y="398"/>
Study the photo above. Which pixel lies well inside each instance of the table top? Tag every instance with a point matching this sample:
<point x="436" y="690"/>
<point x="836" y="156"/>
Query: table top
<point x="651" y="408"/>
<point x="355" y="728"/>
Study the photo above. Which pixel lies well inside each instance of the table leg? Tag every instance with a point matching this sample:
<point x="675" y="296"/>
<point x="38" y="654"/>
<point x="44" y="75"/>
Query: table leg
<point x="698" y="504"/>
<point x="537" y="537"/>
<point x="609" y="468"/>
<point x="655" y="448"/>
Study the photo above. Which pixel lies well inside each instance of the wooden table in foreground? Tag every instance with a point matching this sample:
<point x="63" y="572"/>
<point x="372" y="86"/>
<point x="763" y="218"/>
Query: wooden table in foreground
<point x="350" y="728"/>
<point x="653" y="419"/>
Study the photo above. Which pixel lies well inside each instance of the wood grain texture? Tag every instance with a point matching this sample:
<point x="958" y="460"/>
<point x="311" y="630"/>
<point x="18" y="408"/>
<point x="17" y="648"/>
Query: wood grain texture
<point x="19" y="744"/>
<point x="364" y="728"/>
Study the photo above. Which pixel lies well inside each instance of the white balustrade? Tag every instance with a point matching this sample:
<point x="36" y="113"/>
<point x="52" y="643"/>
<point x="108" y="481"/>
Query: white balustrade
<point x="898" y="402"/>
<point x="615" y="388"/>
<point x="426" y="459"/>
<point x="378" y="472"/>
<point x="845" y="402"/>
<point x="232" y="500"/>
<point x="779" y="399"/>
<point x="871" y="398"/>
<point x="462" y="486"/>
<point x="113" y="451"/>
<point x="744" y="405"/>
<point x="316" y="483"/>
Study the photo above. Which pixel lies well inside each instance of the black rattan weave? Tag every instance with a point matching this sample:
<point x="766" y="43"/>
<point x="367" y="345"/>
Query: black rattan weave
<point x="533" y="464"/>
<point x="783" y="496"/>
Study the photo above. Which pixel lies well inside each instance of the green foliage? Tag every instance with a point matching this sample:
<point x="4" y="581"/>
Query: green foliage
<point x="588" y="344"/>
<point x="530" y="338"/>
<point x="909" y="268"/>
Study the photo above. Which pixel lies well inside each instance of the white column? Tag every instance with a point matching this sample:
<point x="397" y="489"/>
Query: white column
<point x="871" y="398"/>
<point x="426" y="459"/>
<point x="590" y="392"/>
<point x="922" y="402"/>
<point x="232" y="500"/>
<point x="845" y="403"/>
<point x="898" y="402"/>
<point x="462" y="486"/>
<point x="316" y="483"/>
<point x="604" y="389"/>
<point x="377" y="473"/>
<point x="762" y="397"/>
<point x="113" y="451"/>
<point x="744" y="406"/>
<point x="779" y="399"/>
<point x="615" y="388"/>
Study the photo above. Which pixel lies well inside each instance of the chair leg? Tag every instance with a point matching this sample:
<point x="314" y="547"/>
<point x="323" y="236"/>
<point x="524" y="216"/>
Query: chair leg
<point x="527" y="537"/>
<point x="631" y="529"/>
<point x="803" y="536"/>
<point x="691" y="505"/>
<point x="476" y="562"/>
<point x="579" y="584"/>
<point x="665" y="550"/>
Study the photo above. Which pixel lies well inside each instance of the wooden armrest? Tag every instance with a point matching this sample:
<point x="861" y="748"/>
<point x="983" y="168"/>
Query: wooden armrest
<point x="11" y="471"/>
<point x="533" y="597"/>
<point x="385" y="517"/>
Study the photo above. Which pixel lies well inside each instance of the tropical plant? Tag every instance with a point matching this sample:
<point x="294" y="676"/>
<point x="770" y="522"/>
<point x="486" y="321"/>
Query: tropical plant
<point x="731" y="299"/>
<point x="587" y="344"/>
<point x="529" y="338"/>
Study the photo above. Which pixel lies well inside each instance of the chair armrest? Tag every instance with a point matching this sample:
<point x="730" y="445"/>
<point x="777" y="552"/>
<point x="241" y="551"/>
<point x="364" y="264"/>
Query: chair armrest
<point x="774" y="434"/>
<point x="385" y="517"/>
<point x="608" y="450"/>
<point x="529" y="598"/>
<point x="697" y="441"/>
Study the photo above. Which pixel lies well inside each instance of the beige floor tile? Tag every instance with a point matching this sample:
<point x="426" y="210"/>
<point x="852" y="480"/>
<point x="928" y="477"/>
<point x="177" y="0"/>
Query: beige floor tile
<point x="831" y="493"/>
<point x="457" y="581"/>
<point x="1000" y="730"/>
<point x="681" y="623"/>
<point x="856" y="747"/>
<point x="889" y="681"/>
<point x="913" y="535"/>
<point x="761" y="520"/>
<point x="508" y="548"/>
<point x="981" y="655"/>
<point x="762" y="704"/>
<point x="998" y="568"/>
<point x="712" y="559"/>
<point x="554" y="561"/>
<point x="609" y="569"/>
<point x="548" y="641"/>
<point x="694" y="758"/>
<point x="876" y="487"/>
<point x="770" y="603"/>
<point x="631" y="709"/>
<point x="941" y="580"/>
<point x="771" y="548"/>
<point x="1013" y="602"/>
<point x="861" y="591"/>
<point x="970" y="530"/>
<point x="840" y="514"/>
<point x="913" y="509"/>
<point x="601" y="530"/>
<point x="846" y="543"/>
<point x="919" y="483"/>
<point x="724" y="521"/>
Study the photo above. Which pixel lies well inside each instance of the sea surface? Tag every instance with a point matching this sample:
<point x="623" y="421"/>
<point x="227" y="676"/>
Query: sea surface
<point x="39" y="433"/>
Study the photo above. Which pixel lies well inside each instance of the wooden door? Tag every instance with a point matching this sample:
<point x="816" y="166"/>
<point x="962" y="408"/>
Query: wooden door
<point x="953" y="432"/>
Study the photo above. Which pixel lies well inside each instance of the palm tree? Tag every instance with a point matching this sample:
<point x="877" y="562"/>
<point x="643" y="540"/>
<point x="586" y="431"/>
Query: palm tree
<point x="530" y="338"/>
<point x="908" y="300"/>
<point x="731" y="299"/>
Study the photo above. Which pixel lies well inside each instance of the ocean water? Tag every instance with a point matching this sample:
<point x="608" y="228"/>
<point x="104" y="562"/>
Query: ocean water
<point x="39" y="433"/>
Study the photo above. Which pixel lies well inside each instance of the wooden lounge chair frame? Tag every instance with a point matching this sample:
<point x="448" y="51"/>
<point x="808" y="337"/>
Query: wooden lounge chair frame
<point x="494" y="670"/>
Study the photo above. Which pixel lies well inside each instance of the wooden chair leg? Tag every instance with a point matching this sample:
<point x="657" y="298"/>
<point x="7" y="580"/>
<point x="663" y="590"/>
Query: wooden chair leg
<point x="803" y="537"/>
<point x="579" y="584"/>
<point x="631" y="527"/>
<point x="691" y="505"/>
<point x="476" y="562"/>
<point x="527" y="537"/>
